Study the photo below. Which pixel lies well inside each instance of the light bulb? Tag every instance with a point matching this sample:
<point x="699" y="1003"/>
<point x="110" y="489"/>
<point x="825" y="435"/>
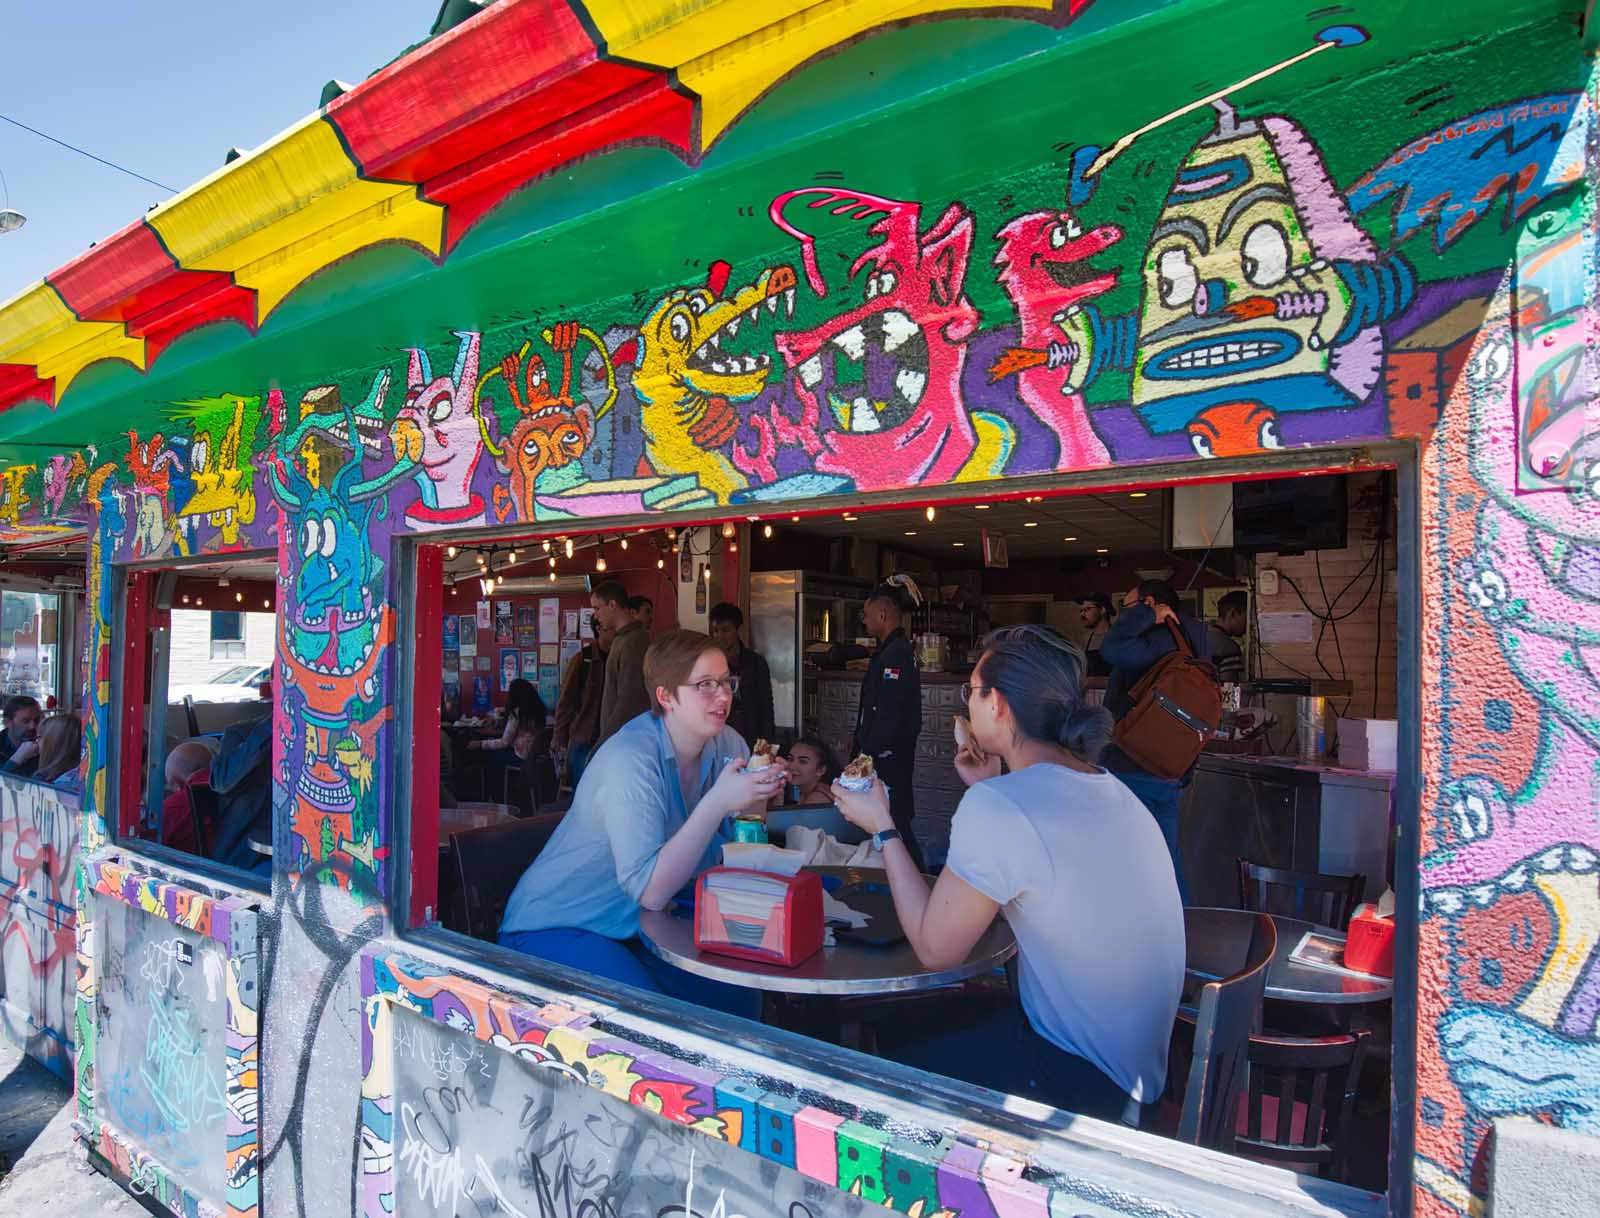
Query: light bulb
<point x="569" y="547"/>
<point x="672" y="534"/>
<point x="766" y="530"/>
<point x="600" y="563"/>
<point x="661" y="564"/>
<point x="511" y="558"/>
<point x="727" y="529"/>
<point x="624" y="543"/>
<point x="794" y="519"/>
<point x="547" y="545"/>
<point x="552" y="562"/>
<point x="929" y="513"/>
<point x="733" y="547"/>
<point x="239" y="596"/>
<point x="498" y="580"/>
<point x="552" y="577"/>
<point x="185" y="598"/>
<point x="705" y="571"/>
<point x="450" y="551"/>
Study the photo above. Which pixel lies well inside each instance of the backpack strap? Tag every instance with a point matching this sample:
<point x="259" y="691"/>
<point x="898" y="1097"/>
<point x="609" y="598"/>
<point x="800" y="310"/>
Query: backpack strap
<point x="1179" y="639"/>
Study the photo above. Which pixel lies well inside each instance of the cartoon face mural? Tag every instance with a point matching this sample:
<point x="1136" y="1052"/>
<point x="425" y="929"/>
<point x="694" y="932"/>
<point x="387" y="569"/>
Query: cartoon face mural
<point x="687" y="380"/>
<point x="1048" y="263"/>
<point x="220" y="473"/>
<point x="888" y="370"/>
<point x="438" y="430"/>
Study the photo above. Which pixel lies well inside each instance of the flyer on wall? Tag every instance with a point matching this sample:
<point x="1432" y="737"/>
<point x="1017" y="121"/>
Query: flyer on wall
<point x="505" y="633"/>
<point x="527" y="626"/>
<point x="510" y="667"/>
<point x="482" y="696"/>
<point x="452" y="635"/>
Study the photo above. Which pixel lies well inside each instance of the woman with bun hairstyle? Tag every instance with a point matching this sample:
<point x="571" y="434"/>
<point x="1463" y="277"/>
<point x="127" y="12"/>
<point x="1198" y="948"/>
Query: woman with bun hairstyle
<point x="1084" y="879"/>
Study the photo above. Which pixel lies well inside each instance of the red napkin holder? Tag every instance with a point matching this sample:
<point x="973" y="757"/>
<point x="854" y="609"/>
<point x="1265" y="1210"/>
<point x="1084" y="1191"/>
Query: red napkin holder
<point x="787" y="933"/>
<point x="1369" y="945"/>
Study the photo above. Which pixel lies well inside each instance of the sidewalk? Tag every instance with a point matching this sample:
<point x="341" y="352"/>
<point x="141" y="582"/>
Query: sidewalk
<point x="45" y="1171"/>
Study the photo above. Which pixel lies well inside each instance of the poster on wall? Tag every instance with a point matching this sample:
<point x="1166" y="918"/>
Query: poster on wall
<point x="482" y="698"/>
<point x="467" y="638"/>
<point x="569" y="648"/>
<point x="549" y="620"/>
<point x="527" y="627"/>
<point x="569" y="624"/>
<point x="485" y="662"/>
<point x="586" y="623"/>
<point x="549" y="683"/>
<point x="549" y="653"/>
<point x="452" y="633"/>
<point x="510" y="667"/>
<point x="451" y="665"/>
<point x="530" y="666"/>
<point x="450" y="701"/>
<point x="483" y="615"/>
<point x="505" y="633"/>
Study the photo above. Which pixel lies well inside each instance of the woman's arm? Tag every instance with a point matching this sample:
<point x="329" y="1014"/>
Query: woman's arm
<point x="943" y="924"/>
<point x="734" y="791"/>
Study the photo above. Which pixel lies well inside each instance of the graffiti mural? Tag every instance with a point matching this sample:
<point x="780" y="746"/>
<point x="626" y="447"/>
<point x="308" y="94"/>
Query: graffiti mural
<point x="38" y="858"/>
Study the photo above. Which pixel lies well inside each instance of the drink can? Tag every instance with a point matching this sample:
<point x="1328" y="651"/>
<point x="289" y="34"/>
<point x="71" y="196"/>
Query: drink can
<point x="1311" y="726"/>
<point x="749" y="829"/>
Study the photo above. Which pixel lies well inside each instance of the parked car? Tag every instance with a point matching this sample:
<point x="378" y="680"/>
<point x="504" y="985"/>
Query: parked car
<point x="241" y="683"/>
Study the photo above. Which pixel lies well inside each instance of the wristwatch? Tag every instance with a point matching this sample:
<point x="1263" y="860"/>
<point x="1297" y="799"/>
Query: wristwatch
<point x="884" y="836"/>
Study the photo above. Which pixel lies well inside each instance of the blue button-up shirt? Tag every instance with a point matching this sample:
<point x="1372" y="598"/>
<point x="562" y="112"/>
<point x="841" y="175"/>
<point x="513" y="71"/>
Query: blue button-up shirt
<point x="627" y="806"/>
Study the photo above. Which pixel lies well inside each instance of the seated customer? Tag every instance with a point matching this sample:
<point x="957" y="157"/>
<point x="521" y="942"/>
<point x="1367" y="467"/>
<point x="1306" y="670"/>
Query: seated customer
<point x="19" y="725"/>
<point x="651" y="812"/>
<point x="60" y="746"/>
<point x="811" y="769"/>
<point x="1083" y="876"/>
<point x="189" y="764"/>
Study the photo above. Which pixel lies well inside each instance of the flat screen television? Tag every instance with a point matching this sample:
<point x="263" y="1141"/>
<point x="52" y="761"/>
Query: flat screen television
<point x="1290" y="515"/>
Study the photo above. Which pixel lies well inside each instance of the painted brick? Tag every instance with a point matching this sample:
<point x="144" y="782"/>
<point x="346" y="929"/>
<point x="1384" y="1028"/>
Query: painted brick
<point x="743" y="1098"/>
<point x="775" y="1115"/>
<point x="861" y="1159"/>
<point x="816" y="1152"/>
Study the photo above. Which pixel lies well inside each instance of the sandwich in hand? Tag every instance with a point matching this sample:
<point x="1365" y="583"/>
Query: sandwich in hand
<point x="858" y="775"/>
<point x="965" y="740"/>
<point x="762" y="755"/>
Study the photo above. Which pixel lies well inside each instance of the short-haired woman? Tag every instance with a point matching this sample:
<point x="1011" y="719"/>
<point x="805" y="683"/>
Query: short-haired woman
<point x="651" y="812"/>
<point x="1084" y="879"/>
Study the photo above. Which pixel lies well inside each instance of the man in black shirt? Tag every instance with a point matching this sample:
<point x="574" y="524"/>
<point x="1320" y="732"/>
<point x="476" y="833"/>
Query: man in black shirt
<point x="752" y="714"/>
<point x="890" y="718"/>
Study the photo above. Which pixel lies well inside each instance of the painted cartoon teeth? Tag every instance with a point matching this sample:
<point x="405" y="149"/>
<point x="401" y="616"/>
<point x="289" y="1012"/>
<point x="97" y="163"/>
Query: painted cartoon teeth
<point x="853" y="342"/>
<point x="811" y="372"/>
<point x="862" y="417"/>
<point x="772" y="306"/>
<point x="732" y="328"/>
<point x="788" y="303"/>
<point x="1221" y="355"/>
<point x="911" y="383"/>
<point x="1569" y="858"/>
<point x="897" y="328"/>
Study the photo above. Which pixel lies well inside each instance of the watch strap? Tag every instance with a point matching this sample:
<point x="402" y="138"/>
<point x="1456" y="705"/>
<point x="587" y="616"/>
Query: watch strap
<point x="884" y="836"/>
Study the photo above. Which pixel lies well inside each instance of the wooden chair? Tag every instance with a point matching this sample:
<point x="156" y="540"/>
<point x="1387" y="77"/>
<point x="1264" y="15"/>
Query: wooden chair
<point x="489" y="862"/>
<point x="1327" y="900"/>
<point x="204" y="808"/>
<point x="1300" y="1101"/>
<point x="1227" y="1013"/>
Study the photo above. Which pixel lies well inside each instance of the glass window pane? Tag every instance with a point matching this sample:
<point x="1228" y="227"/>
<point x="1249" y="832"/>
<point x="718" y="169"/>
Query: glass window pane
<point x="29" y="644"/>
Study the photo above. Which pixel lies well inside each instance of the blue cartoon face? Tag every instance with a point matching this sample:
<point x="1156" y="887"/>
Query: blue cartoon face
<point x="336" y="564"/>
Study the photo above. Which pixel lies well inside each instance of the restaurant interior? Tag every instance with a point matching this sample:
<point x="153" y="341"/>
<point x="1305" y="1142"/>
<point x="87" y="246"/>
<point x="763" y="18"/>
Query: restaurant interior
<point x="1288" y="813"/>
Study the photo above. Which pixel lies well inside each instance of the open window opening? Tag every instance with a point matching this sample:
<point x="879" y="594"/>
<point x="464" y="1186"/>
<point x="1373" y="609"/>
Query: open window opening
<point x="197" y="688"/>
<point x="1284" y="821"/>
<point x="41" y="662"/>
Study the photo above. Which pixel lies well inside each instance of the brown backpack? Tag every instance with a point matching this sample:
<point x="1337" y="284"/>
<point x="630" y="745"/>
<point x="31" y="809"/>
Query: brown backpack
<point x="1177" y="704"/>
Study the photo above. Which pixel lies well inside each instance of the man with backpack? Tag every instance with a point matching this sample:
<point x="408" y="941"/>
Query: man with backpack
<point x="1162" y="721"/>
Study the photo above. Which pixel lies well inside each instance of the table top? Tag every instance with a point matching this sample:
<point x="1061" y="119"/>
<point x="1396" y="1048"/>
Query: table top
<point x="1218" y="930"/>
<point x="845" y="969"/>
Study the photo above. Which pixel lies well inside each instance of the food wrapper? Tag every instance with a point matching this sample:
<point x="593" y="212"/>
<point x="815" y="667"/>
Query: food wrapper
<point x="762" y="755"/>
<point x="762" y="856"/>
<point x="858" y="775"/>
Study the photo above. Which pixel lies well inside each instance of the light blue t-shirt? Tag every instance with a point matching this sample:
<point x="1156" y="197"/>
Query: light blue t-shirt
<point x="627" y="805"/>
<point x="1083" y="873"/>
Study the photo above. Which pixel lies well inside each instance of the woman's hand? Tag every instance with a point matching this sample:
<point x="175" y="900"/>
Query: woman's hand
<point x="866" y="810"/>
<point x="737" y="788"/>
<point x="973" y="771"/>
<point x="26" y="751"/>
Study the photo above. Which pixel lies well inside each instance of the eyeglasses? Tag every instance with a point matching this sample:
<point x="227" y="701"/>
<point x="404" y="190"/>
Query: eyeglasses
<point x="968" y="690"/>
<point x="708" y="688"/>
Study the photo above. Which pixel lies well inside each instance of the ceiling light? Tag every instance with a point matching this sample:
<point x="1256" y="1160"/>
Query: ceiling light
<point x="1102" y="550"/>
<point x="1137" y="494"/>
<point x="929" y="513"/>
<point x="1069" y="539"/>
<point x="661" y="564"/>
<point x="958" y="544"/>
<point x="980" y="507"/>
<point x="1030" y="524"/>
<point x="766" y="531"/>
<point x="911" y="532"/>
<point x="727" y="528"/>
<point x="239" y="597"/>
<point x="600" y="563"/>
<point x="450" y="551"/>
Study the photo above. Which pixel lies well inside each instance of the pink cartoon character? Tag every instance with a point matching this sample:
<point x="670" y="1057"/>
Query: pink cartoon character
<point x="888" y="368"/>
<point x="438" y="429"/>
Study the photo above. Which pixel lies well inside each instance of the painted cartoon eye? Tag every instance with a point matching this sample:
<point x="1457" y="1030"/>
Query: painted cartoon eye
<point x="531" y="447"/>
<point x="680" y="327"/>
<point x="537" y="375"/>
<point x="313" y="536"/>
<point x="1265" y="256"/>
<point x="872" y="286"/>
<point x="198" y="452"/>
<point x="1201" y="444"/>
<point x="1060" y="234"/>
<point x="330" y="537"/>
<point x="1177" y="279"/>
<point x="697" y="304"/>
<point x="1268" y="436"/>
<point x="886" y="283"/>
<point x="439" y="411"/>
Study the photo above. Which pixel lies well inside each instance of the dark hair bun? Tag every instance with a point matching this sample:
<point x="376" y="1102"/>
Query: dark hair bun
<point x="1086" y="731"/>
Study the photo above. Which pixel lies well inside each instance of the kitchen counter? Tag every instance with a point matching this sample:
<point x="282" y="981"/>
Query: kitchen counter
<point x="855" y="675"/>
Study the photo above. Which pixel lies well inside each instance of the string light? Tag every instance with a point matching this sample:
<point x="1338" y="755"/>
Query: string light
<point x="450" y="551"/>
<point x="569" y="547"/>
<point x="766" y="531"/>
<point x="929" y="513"/>
<point x="705" y="572"/>
<point x="512" y="558"/>
<point x="547" y="545"/>
<point x="552" y="562"/>
<point x="239" y="597"/>
<point x="661" y="564"/>
<point x="624" y="543"/>
<point x="727" y="529"/>
<point x="552" y="577"/>
<point x="266" y="604"/>
<point x="733" y="547"/>
<point x="185" y="598"/>
<point x="600" y="563"/>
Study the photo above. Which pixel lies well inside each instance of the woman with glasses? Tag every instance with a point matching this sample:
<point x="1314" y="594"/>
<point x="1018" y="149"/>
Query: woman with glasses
<point x="652" y="811"/>
<point x="1082" y="875"/>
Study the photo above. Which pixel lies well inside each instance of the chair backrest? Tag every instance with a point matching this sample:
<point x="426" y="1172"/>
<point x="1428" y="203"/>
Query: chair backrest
<point x="1228" y="1011"/>
<point x="490" y="861"/>
<point x="1301" y="1097"/>
<point x="1311" y="896"/>
<point x="204" y="809"/>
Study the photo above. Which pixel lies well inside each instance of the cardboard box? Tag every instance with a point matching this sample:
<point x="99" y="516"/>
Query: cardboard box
<point x="1368" y="744"/>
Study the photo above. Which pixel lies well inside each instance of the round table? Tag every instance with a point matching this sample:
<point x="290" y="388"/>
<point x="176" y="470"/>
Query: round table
<point x="1216" y="939"/>
<point x="844" y="970"/>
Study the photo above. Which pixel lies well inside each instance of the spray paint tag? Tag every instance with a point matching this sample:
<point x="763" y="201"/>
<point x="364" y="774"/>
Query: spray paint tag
<point x="185" y="953"/>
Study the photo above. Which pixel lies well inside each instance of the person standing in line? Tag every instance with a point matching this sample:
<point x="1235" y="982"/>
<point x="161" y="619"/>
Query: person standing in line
<point x="643" y="610"/>
<point x="578" y="706"/>
<point x="1233" y="617"/>
<point x="752" y="715"/>
<point x="1094" y="611"/>
<point x="890" y="716"/>
<point x="626" y="695"/>
<point x="1136" y="641"/>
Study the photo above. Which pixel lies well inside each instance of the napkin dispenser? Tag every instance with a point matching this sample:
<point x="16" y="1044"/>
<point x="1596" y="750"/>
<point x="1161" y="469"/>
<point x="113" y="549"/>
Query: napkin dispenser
<point x="758" y="915"/>
<point x="1369" y="945"/>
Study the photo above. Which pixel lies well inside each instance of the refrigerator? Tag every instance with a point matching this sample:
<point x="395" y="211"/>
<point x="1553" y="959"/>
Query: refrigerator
<point x="788" y="611"/>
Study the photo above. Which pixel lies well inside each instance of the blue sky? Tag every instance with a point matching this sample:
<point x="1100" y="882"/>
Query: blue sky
<point x="166" y="89"/>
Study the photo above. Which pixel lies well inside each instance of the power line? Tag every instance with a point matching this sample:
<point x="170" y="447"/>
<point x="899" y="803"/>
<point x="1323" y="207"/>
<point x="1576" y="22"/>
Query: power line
<point x="74" y="148"/>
